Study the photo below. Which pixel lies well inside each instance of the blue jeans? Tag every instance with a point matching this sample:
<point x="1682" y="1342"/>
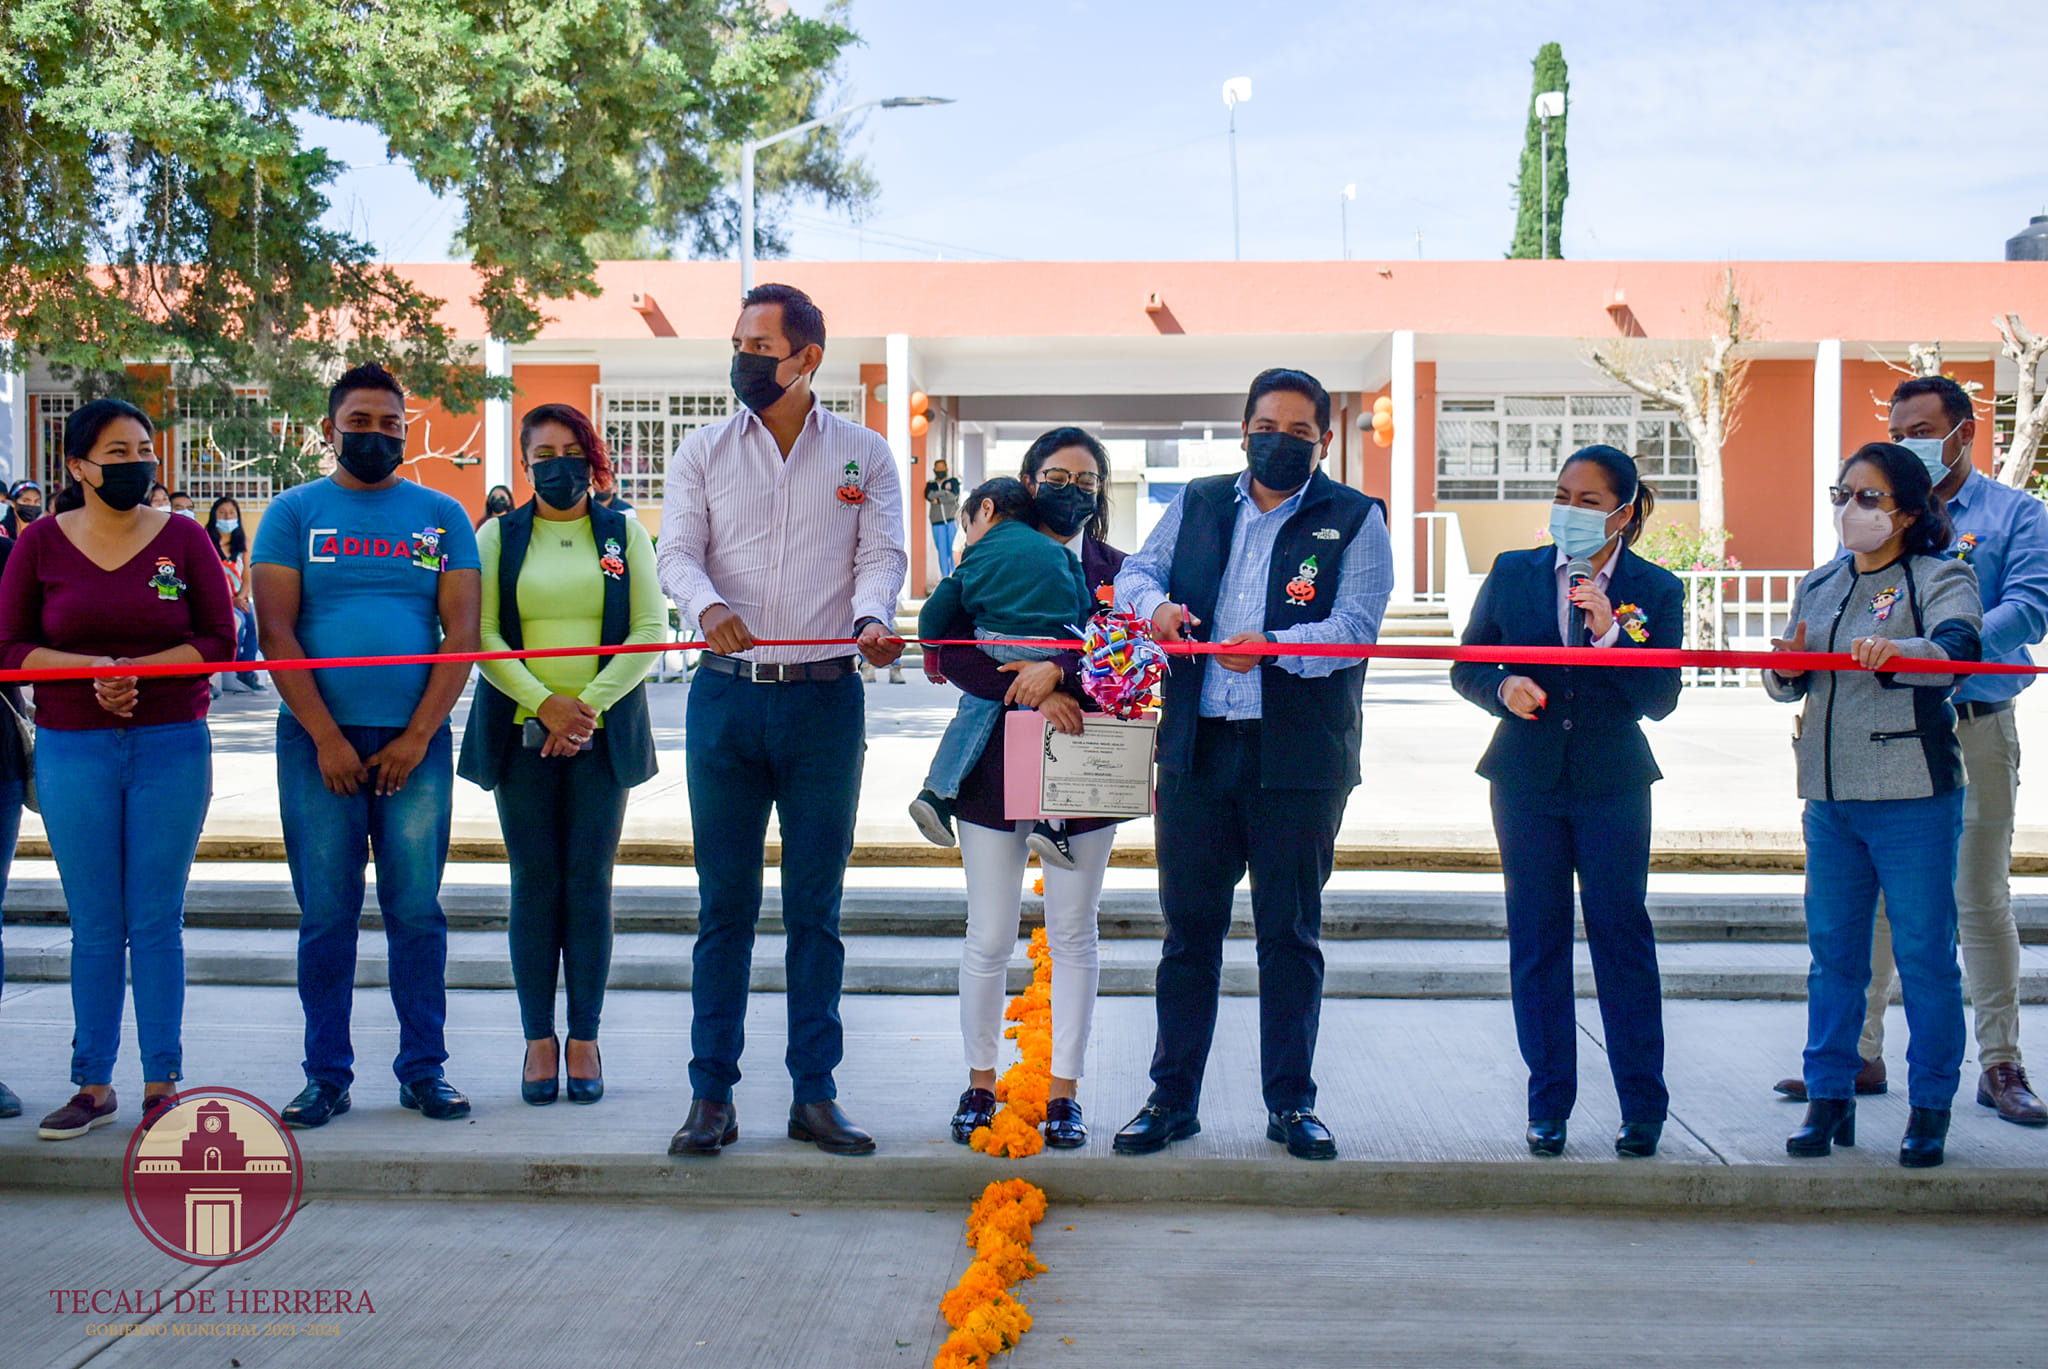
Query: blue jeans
<point x="245" y="645"/>
<point x="328" y="838"/>
<point x="1905" y="848"/>
<point x="974" y="722"/>
<point x="942" y="538"/>
<point x="123" y="807"/>
<point x="752" y="748"/>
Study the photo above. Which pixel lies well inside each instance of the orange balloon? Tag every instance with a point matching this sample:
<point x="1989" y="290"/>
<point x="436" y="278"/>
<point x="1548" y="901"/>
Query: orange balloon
<point x="1380" y="439"/>
<point x="1383" y="422"/>
<point x="919" y="401"/>
<point x="919" y="425"/>
<point x="1383" y="405"/>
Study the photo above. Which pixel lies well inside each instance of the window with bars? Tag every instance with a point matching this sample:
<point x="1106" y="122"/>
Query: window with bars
<point x="643" y="426"/>
<point x="1511" y="446"/>
<point x="215" y="446"/>
<point x="46" y="414"/>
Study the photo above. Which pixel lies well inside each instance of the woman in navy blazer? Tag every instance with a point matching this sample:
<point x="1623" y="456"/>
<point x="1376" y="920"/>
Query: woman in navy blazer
<point x="1571" y="775"/>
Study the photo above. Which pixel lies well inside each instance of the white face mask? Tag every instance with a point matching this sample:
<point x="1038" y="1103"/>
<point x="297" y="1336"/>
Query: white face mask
<point x="1932" y="452"/>
<point x="1860" y="529"/>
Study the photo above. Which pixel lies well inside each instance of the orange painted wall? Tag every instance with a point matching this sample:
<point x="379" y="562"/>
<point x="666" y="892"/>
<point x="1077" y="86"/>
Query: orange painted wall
<point x="433" y="428"/>
<point x="1767" y="475"/>
<point x="1867" y="386"/>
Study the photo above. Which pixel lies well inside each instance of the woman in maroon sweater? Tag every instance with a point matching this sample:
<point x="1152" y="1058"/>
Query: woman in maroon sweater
<point x="123" y="765"/>
<point x="1067" y="473"/>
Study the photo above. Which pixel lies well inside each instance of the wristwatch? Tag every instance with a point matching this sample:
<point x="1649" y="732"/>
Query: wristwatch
<point x="860" y="625"/>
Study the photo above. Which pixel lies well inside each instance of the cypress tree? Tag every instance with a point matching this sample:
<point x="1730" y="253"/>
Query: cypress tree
<point x="1550" y="75"/>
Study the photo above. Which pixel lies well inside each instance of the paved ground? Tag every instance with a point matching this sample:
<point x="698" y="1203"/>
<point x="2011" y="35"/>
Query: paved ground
<point x="726" y="1287"/>
<point x="1724" y="752"/>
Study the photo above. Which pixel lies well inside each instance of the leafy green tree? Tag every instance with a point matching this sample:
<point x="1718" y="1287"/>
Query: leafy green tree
<point x="1529" y="220"/>
<point x="158" y="198"/>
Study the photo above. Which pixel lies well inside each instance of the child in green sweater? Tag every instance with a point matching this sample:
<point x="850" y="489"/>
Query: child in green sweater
<point x="1013" y="581"/>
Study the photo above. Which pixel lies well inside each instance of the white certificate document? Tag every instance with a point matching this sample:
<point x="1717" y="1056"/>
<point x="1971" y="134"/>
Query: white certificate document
<point x="1106" y="772"/>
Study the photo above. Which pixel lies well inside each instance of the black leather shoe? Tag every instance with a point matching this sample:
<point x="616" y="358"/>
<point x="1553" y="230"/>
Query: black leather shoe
<point x="1829" y="1122"/>
<point x="591" y="1089"/>
<point x="316" y="1105"/>
<point x="1154" y="1128"/>
<point x="541" y="1092"/>
<point x="1926" y="1131"/>
<point x="1638" y="1139"/>
<point x="977" y="1109"/>
<point x="10" y="1106"/>
<point x="433" y="1097"/>
<point x="1546" y="1138"/>
<point x="1064" y="1129"/>
<point x="824" y="1125"/>
<point x="709" y="1128"/>
<point x="1303" y="1133"/>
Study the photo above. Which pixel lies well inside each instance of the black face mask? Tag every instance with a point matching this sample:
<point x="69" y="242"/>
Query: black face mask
<point x="497" y="503"/>
<point x="28" y="513"/>
<point x="562" y="481"/>
<point x="1063" y="510"/>
<point x="370" y="457"/>
<point x="753" y="379"/>
<point x="125" y="484"/>
<point x="1281" y="462"/>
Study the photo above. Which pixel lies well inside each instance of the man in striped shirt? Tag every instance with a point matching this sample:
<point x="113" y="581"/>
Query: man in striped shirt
<point x="784" y="522"/>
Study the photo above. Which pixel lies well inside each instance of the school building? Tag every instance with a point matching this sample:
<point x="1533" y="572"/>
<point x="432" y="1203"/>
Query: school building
<point x="1486" y="364"/>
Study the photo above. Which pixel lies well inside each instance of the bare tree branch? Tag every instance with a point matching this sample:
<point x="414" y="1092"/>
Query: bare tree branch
<point x="2030" y="410"/>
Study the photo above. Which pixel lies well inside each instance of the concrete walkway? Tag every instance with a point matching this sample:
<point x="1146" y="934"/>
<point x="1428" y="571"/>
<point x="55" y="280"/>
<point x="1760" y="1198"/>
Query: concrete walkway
<point x="1727" y="800"/>
<point x="1426" y="1099"/>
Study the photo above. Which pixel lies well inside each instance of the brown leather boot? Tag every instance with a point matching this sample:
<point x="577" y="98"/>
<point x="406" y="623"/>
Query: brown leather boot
<point x="1869" y="1080"/>
<point x="709" y="1128"/>
<point x="2005" y="1087"/>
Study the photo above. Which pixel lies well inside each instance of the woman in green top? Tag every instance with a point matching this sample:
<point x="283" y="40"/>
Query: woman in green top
<point x="560" y="739"/>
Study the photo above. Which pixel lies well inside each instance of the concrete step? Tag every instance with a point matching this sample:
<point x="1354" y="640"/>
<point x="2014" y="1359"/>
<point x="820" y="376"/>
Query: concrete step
<point x="907" y="964"/>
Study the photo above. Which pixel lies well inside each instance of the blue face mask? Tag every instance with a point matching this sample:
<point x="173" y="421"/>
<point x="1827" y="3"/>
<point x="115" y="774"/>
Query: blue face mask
<point x="1931" y="452"/>
<point x="1578" y="532"/>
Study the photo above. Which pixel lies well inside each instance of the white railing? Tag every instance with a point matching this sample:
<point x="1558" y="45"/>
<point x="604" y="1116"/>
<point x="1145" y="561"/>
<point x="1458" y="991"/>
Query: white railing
<point x="1734" y="610"/>
<point x="1443" y="557"/>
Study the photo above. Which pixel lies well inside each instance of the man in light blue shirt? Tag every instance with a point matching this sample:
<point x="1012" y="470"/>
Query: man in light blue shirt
<point x="2003" y="534"/>
<point x="1257" y="753"/>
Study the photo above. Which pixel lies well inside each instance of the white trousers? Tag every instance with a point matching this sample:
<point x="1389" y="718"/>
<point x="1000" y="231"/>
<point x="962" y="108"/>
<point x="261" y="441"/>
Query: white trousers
<point x="995" y="859"/>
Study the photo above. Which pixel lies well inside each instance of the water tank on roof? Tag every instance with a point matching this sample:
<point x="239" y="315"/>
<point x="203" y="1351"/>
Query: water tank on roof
<point x="2030" y="243"/>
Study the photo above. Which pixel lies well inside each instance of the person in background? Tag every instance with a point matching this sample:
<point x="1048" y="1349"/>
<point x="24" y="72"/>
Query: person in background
<point x="2002" y="534"/>
<point x="784" y="520"/>
<point x="608" y="497"/>
<point x="1882" y="776"/>
<point x="24" y="505"/>
<point x="560" y="741"/>
<point x="224" y="526"/>
<point x="14" y="775"/>
<point x="1571" y="773"/>
<point x="942" y="501"/>
<point x="1257" y="753"/>
<point x="184" y="505"/>
<point x="1066" y="473"/>
<point x="123" y="765"/>
<point x="159" y="497"/>
<point x="365" y="563"/>
<point x="497" y="503"/>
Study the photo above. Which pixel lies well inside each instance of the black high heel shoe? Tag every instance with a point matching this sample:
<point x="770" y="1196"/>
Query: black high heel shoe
<point x="1829" y="1122"/>
<point x="541" y="1092"/>
<point x="1546" y="1138"/>
<point x="591" y="1089"/>
<point x="1926" y="1133"/>
<point x="977" y="1109"/>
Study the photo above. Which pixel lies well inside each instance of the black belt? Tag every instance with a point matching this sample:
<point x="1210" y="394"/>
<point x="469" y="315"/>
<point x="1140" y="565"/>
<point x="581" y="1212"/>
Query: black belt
<point x="766" y="672"/>
<point x="1972" y="708"/>
<point x="1238" y="726"/>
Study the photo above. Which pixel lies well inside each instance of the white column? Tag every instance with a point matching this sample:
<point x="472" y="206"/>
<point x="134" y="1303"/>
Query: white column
<point x="1827" y="443"/>
<point x="13" y="421"/>
<point x="497" y="417"/>
<point x="897" y="355"/>
<point x="1401" y="507"/>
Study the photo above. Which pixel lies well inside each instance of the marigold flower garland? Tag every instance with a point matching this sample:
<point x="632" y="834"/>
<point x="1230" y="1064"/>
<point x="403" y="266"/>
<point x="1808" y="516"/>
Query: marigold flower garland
<point x="986" y="1319"/>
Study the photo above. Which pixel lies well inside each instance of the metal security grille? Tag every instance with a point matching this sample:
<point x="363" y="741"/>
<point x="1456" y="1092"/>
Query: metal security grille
<point x="1512" y="446"/>
<point x="207" y="470"/>
<point x="46" y="414"/>
<point x="644" y="425"/>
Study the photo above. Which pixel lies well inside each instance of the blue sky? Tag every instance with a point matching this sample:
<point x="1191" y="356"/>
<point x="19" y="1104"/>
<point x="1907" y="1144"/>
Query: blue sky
<point x="1086" y="130"/>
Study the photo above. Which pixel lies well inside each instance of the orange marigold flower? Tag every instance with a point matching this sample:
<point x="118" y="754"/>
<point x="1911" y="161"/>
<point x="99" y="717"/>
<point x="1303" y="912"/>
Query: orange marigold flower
<point x="980" y="1285"/>
<point x="998" y="1326"/>
<point x="1010" y="1260"/>
<point x="961" y="1351"/>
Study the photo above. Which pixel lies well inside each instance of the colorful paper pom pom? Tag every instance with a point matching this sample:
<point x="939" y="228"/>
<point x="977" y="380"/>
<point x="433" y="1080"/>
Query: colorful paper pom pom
<point x="1121" y="665"/>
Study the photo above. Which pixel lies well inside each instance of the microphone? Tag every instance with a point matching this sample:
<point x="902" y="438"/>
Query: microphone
<point x="1577" y="572"/>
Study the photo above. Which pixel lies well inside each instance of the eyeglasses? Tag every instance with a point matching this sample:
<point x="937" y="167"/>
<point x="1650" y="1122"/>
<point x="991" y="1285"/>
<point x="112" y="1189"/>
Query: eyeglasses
<point x="1865" y="499"/>
<point x="1059" y="479"/>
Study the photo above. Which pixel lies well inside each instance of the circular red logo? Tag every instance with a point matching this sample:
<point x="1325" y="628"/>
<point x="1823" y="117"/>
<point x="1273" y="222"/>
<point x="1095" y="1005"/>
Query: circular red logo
<point x="214" y="1179"/>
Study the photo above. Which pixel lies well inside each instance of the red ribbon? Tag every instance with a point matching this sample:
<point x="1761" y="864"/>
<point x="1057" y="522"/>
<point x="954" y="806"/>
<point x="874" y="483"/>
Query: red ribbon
<point x="1646" y="657"/>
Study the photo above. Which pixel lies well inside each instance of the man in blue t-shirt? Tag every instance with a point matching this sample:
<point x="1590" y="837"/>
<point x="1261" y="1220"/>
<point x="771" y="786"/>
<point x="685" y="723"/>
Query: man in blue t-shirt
<point x="364" y="563"/>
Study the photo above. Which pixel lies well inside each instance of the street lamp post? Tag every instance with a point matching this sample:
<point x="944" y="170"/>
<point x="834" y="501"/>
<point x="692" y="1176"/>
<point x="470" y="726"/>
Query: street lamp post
<point x="1236" y="91"/>
<point x="1344" y="198"/>
<point x="1549" y="105"/>
<point x="748" y="149"/>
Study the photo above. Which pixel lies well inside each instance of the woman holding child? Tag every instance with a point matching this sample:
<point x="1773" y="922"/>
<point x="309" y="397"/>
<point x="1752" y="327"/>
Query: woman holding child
<point x="1066" y="476"/>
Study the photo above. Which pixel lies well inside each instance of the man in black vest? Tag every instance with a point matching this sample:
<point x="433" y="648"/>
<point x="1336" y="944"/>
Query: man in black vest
<point x="1257" y="753"/>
